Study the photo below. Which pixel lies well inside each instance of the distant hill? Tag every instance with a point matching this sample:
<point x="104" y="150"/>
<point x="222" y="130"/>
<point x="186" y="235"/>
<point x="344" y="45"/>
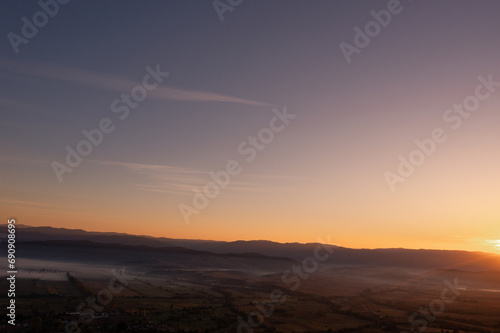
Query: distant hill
<point x="49" y="233"/>
<point x="148" y="258"/>
<point x="421" y="259"/>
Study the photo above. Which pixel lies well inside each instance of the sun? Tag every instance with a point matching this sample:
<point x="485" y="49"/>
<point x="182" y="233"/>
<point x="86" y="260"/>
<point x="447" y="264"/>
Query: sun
<point x="494" y="242"/>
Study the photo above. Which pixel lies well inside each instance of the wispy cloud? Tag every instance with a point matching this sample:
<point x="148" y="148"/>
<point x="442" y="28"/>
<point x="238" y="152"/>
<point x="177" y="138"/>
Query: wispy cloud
<point x="9" y="203"/>
<point x="180" y="180"/>
<point x="110" y="82"/>
<point x="24" y="203"/>
<point x="162" y="178"/>
<point x="17" y="160"/>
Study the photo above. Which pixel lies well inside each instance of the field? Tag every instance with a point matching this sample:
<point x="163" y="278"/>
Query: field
<point x="337" y="299"/>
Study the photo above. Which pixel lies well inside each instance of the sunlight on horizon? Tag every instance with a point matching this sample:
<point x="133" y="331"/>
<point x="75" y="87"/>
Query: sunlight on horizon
<point x="495" y="243"/>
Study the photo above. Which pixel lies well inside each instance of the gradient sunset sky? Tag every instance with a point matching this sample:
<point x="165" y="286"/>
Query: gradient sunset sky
<point x="323" y="174"/>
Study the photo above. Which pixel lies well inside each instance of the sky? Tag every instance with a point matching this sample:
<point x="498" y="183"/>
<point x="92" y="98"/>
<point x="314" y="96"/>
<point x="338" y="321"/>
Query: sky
<point x="373" y="123"/>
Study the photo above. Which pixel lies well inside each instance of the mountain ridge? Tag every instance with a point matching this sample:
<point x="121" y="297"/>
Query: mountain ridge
<point x="389" y="257"/>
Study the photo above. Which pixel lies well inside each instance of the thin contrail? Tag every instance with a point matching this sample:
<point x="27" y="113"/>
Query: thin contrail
<point x="110" y="82"/>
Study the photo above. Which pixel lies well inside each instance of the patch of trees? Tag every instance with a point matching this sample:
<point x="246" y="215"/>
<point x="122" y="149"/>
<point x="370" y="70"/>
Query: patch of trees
<point x="79" y="285"/>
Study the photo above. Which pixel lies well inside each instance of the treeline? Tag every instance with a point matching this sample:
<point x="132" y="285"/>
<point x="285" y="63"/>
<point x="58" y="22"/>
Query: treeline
<point x="79" y="285"/>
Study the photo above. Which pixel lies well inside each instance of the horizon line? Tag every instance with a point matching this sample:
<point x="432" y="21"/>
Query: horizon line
<point x="252" y="240"/>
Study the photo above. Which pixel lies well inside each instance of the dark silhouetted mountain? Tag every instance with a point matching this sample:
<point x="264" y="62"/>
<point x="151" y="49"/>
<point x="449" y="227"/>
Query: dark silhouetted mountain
<point x="146" y="257"/>
<point x="421" y="259"/>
